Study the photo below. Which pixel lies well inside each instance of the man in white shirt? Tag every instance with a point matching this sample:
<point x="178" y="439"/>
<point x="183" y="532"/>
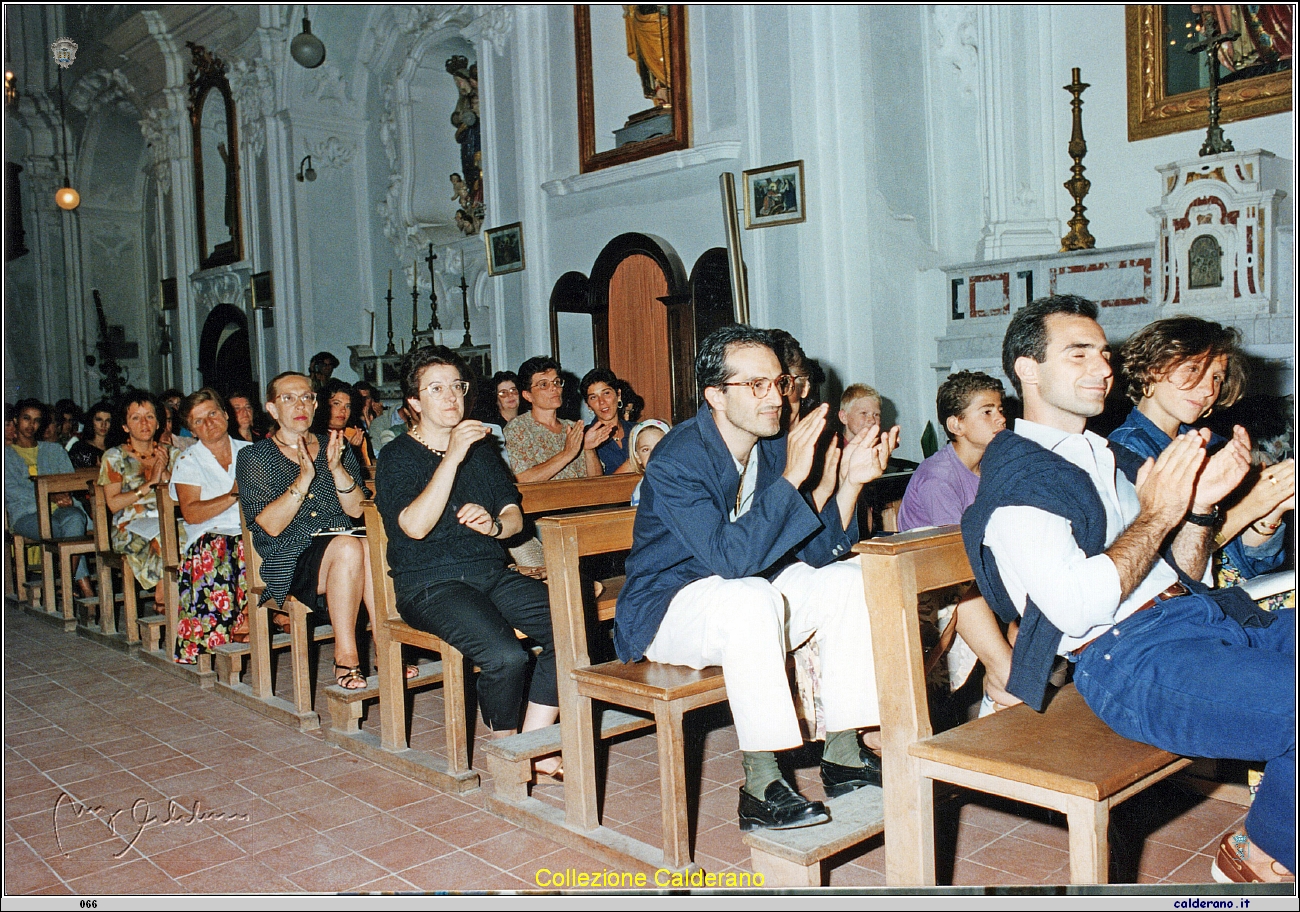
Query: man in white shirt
<point x="1059" y="536"/>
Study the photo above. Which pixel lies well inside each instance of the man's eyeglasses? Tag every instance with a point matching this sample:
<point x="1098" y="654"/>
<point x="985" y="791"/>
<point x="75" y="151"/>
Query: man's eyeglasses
<point x="760" y="386"/>
<point x="558" y="383"/>
<point x="305" y="399"/>
<point x="436" y="389"/>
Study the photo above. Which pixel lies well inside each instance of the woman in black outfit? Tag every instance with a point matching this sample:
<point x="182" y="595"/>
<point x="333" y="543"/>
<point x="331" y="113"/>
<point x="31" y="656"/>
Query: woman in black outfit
<point x="448" y="503"/>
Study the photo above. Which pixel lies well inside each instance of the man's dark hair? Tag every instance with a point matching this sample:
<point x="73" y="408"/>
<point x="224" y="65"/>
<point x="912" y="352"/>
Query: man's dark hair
<point x="66" y="408"/>
<point x="417" y="359"/>
<point x="534" y="366"/>
<point x="365" y="386"/>
<point x="788" y="351"/>
<point x="322" y="358"/>
<point x="1155" y="350"/>
<point x="23" y="405"/>
<point x="597" y="375"/>
<point x="1027" y="333"/>
<point x="956" y="392"/>
<point x="711" y="367"/>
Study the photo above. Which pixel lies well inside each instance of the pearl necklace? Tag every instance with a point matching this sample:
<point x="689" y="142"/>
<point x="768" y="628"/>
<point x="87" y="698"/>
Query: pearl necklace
<point x="415" y="432"/>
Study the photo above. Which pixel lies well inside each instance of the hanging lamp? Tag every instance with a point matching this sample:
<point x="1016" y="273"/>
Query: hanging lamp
<point x="306" y="48"/>
<point x="65" y="197"/>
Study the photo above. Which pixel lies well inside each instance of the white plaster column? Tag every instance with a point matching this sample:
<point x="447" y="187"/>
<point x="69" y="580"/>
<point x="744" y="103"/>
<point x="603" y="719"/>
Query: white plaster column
<point x="1017" y="111"/>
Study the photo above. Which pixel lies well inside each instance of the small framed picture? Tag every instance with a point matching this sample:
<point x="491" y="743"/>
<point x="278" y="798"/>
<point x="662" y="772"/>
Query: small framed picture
<point x="505" y="249"/>
<point x="774" y="195"/>
<point x="169" y="296"/>
<point x="263" y="298"/>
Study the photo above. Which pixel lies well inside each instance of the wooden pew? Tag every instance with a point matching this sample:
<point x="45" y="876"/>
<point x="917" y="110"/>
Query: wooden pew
<point x="665" y="692"/>
<point x="390" y="684"/>
<point x="59" y="551"/>
<point x="1065" y="759"/>
<point x="346" y="706"/>
<point x="259" y="693"/>
<point x="158" y="632"/>
<point x="109" y="560"/>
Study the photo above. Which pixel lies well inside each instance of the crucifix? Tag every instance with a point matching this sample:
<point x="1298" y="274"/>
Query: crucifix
<point x="1215" y="142"/>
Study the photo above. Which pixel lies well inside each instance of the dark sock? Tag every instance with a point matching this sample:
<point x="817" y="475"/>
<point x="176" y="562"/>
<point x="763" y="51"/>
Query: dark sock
<point x="842" y="749"/>
<point x="761" y="770"/>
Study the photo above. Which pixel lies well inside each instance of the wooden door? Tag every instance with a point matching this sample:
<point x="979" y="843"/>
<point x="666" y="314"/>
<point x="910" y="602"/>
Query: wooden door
<point x="638" y="332"/>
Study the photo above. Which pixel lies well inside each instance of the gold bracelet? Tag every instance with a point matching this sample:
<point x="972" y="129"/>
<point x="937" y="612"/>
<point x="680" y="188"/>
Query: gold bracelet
<point x="296" y="493"/>
<point x="1271" y="529"/>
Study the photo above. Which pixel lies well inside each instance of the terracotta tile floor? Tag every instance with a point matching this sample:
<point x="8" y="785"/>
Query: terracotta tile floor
<point x="107" y="757"/>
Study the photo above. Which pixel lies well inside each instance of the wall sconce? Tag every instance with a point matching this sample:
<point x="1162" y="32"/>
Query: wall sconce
<point x="66" y="198"/>
<point x="306" y="48"/>
<point x="305" y="170"/>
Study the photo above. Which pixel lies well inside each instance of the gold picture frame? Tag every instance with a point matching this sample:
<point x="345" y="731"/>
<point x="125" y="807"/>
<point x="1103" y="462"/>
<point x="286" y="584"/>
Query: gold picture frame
<point x="1153" y="113"/>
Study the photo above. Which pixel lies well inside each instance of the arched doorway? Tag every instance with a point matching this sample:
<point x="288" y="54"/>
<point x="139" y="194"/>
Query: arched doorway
<point x="639" y="284"/>
<point x="225" y="355"/>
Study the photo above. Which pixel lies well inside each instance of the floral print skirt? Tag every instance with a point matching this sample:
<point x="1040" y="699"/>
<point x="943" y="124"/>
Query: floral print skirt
<point x="212" y="595"/>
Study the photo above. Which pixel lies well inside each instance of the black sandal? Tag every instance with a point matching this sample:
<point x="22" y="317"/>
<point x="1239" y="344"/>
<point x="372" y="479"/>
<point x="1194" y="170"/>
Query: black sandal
<point x="350" y="677"/>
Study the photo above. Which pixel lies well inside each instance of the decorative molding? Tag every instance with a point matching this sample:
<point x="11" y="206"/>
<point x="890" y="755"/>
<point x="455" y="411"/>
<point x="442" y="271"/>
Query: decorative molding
<point x="253" y="87"/>
<point x="728" y="150"/>
<point x="162" y="133"/>
<point x="329" y="88"/>
<point x="493" y="28"/>
<point x="332" y="152"/>
<point x="105" y="89"/>
<point x="221" y="285"/>
<point x="959" y="43"/>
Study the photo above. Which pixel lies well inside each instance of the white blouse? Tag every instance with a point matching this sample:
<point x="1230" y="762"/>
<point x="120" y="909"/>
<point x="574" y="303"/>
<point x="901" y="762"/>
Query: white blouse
<point x="197" y="466"/>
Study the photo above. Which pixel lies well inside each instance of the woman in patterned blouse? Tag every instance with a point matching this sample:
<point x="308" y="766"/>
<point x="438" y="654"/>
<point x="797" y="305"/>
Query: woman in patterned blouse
<point x="300" y="493"/>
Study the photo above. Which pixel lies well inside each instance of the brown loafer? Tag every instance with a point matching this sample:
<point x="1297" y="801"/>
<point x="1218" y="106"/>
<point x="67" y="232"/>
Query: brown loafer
<point x="1229" y="865"/>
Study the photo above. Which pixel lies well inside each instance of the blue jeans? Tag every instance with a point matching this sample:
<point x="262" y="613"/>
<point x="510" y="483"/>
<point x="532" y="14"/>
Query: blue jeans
<point x="65" y="522"/>
<point x="1183" y="677"/>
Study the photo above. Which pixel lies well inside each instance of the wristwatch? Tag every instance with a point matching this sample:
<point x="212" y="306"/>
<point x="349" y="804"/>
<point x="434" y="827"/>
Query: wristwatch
<point x="496" y="527"/>
<point x="1208" y="520"/>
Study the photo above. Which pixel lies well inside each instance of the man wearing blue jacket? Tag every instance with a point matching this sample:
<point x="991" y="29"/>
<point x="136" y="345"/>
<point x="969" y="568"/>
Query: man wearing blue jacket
<point x="731" y="565"/>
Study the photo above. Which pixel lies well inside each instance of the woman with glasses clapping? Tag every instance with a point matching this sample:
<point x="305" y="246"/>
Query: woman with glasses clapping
<point x="540" y="445"/>
<point x="301" y="492"/>
<point x="448" y="503"/>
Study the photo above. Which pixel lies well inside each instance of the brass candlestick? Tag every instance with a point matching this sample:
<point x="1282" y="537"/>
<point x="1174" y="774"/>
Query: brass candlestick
<point x="1078" y="237"/>
<point x="433" y="292"/>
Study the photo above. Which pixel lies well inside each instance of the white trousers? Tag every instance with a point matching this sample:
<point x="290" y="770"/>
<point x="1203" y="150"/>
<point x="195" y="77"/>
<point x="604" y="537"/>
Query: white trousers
<point x="749" y="625"/>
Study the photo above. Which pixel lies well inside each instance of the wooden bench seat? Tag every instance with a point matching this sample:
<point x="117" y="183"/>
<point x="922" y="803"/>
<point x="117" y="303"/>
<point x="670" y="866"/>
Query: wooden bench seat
<point x="58" y="605"/>
<point x="259" y="692"/>
<point x="106" y="630"/>
<point x="661" y="693"/>
<point x="793" y="858"/>
<point x="1065" y="759"/>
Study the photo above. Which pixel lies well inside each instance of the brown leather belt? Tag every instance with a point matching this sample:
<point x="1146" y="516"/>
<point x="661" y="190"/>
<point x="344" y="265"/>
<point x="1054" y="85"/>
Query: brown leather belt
<point x="1174" y="591"/>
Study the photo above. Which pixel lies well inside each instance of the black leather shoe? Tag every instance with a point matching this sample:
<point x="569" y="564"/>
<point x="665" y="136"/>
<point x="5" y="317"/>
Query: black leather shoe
<point x="782" y="808"/>
<point x="840" y="780"/>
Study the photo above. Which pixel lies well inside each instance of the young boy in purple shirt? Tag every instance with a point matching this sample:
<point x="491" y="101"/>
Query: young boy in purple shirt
<point x="970" y="410"/>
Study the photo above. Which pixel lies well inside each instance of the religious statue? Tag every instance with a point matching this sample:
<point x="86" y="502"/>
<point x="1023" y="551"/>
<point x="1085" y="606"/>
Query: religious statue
<point x="467" y="184"/>
<point x="647" y="46"/>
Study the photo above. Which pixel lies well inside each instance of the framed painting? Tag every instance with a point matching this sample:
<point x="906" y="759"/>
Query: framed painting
<point x="774" y="195"/>
<point x="263" y="298"/>
<point x="505" y="249"/>
<point x="1167" y="86"/>
<point x="633" y="91"/>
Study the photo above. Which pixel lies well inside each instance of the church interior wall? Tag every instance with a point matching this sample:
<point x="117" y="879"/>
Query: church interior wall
<point x="952" y="153"/>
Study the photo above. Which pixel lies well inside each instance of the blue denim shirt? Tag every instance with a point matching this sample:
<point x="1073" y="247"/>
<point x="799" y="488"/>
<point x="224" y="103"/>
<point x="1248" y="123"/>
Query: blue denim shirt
<point x="1140" y="434"/>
